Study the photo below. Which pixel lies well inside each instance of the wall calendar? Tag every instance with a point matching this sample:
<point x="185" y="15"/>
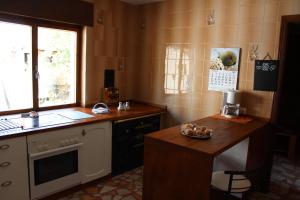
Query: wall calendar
<point x="223" y="69"/>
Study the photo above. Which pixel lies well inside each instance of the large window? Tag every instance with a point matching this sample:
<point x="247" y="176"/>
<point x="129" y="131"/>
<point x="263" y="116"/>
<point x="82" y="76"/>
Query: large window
<point x="38" y="65"/>
<point x="15" y="66"/>
<point x="57" y="66"/>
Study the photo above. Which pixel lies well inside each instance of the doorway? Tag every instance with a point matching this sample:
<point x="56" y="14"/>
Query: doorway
<point x="286" y="103"/>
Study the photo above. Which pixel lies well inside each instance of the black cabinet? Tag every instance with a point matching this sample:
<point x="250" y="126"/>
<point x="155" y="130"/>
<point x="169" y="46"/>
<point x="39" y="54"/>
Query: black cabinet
<point x="128" y="141"/>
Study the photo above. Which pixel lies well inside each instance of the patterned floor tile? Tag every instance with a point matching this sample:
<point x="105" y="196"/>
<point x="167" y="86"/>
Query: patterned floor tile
<point x="285" y="185"/>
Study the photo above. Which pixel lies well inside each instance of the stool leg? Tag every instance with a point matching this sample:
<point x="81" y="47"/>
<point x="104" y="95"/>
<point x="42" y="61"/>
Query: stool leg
<point x="227" y="196"/>
<point x="245" y="196"/>
<point x="292" y="147"/>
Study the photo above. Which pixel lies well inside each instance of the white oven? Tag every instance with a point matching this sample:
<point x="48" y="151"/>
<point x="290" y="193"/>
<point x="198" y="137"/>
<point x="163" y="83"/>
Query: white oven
<point x="54" y="161"/>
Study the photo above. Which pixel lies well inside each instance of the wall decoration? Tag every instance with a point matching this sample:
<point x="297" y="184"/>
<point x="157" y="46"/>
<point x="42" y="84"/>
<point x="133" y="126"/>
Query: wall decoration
<point x="223" y="69"/>
<point x="265" y="75"/>
<point x="253" y="53"/>
<point x="211" y="19"/>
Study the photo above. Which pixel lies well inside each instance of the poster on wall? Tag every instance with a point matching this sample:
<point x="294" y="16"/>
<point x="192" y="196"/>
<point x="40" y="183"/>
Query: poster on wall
<point x="223" y="69"/>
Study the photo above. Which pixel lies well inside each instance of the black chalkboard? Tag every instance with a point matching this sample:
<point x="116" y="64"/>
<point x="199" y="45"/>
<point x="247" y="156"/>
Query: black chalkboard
<point x="265" y="75"/>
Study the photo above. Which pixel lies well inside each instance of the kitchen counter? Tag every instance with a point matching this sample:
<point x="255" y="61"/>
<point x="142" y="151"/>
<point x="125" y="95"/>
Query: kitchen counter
<point x="137" y="109"/>
<point x="186" y="164"/>
<point x="225" y="134"/>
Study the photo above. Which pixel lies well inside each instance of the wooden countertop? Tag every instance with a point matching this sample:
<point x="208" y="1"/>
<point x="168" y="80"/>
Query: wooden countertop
<point x="225" y="134"/>
<point x="137" y="109"/>
<point x="178" y="167"/>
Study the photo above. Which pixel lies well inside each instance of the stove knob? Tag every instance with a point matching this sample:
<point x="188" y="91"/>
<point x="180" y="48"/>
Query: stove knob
<point x="40" y="147"/>
<point x="62" y="143"/>
<point x="45" y="147"/>
<point x="77" y="139"/>
<point x="73" y="141"/>
<point x="68" y="142"/>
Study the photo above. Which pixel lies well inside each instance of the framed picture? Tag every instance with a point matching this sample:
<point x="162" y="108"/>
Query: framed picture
<point x="223" y="69"/>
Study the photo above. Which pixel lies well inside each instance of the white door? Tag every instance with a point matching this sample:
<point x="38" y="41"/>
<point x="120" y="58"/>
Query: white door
<point x="96" y="151"/>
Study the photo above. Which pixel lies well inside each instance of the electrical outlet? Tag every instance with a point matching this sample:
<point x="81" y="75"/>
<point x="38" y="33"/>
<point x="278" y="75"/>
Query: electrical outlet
<point x="121" y="67"/>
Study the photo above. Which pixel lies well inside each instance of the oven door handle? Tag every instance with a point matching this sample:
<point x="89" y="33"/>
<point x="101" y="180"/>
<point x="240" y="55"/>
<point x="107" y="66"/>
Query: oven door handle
<point x="34" y="155"/>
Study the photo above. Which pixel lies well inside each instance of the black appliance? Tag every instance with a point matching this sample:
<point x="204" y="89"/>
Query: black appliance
<point x="109" y="78"/>
<point x="128" y="141"/>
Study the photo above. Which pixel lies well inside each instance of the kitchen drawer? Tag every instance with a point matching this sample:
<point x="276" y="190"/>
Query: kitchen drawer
<point x="14" y="166"/>
<point x="14" y="187"/>
<point x="12" y="149"/>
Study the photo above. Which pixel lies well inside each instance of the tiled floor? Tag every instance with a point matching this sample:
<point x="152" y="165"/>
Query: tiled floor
<point x="285" y="185"/>
<point x="285" y="181"/>
<point x="127" y="186"/>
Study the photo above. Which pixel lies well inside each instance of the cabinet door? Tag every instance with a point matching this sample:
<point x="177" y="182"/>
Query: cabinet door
<point x="13" y="169"/>
<point x="96" y="151"/>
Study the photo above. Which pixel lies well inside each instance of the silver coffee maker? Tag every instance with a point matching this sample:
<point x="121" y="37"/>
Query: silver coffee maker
<point x="231" y="104"/>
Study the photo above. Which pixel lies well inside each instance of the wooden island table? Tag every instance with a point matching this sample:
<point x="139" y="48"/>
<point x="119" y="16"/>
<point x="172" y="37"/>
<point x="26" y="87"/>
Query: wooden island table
<point x="177" y="167"/>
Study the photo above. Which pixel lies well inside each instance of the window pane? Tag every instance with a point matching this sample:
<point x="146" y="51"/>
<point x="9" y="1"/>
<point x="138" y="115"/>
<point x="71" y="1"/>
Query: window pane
<point x="57" y="66"/>
<point x="15" y="66"/>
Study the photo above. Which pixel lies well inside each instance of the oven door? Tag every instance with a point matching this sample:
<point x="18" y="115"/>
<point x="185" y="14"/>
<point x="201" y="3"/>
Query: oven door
<point x="54" y="170"/>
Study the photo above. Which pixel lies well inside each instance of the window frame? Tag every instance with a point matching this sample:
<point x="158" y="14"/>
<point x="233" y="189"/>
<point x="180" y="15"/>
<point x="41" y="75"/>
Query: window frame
<point x="35" y="23"/>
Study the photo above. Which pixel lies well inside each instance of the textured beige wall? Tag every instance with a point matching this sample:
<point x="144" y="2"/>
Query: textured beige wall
<point x="239" y="23"/>
<point x="109" y="44"/>
<point x="137" y="37"/>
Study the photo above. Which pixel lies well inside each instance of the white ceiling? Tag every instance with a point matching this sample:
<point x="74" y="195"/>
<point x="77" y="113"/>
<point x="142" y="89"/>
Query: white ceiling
<point x="138" y="2"/>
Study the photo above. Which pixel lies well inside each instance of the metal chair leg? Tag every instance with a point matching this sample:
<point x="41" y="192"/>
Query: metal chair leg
<point x="245" y="196"/>
<point x="227" y="196"/>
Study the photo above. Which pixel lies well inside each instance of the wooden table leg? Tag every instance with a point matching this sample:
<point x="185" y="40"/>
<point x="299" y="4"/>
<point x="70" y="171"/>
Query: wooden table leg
<point x="175" y="173"/>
